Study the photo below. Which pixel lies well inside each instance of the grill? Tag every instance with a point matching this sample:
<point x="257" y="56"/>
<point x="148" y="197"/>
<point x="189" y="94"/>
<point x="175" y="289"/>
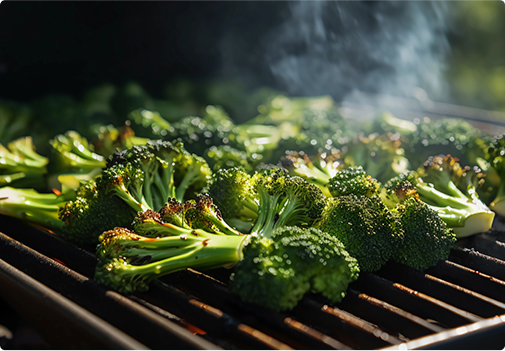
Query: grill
<point x="458" y="304"/>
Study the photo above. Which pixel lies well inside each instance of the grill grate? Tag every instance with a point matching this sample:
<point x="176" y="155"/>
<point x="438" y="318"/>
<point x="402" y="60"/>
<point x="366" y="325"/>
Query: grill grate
<point x="458" y="303"/>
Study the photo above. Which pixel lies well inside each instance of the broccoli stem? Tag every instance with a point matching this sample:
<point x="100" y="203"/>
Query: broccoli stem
<point x="27" y="204"/>
<point x="268" y="213"/>
<point x="189" y="178"/>
<point x="178" y="253"/>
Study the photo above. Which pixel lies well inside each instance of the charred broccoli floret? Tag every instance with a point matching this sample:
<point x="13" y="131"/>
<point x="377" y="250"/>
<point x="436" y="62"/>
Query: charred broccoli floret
<point x="136" y="179"/>
<point x="291" y="263"/>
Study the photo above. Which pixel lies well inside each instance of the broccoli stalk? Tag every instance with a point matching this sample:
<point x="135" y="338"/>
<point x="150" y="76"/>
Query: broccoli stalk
<point x="28" y="204"/>
<point x="21" y="165"/>
<point x="273" y="272"/>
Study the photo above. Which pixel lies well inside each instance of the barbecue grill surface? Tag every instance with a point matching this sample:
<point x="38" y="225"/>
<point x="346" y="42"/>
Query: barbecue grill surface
<point x="458" y="304"/>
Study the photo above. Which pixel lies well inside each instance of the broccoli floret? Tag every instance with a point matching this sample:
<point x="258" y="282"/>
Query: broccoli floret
<point x="285" y="201"/>
<point x="202" y="213"/>
<point x="234" y="194"/>
<point x="426" y="238"/>
<point x="270" y="198"/>
<point x="191" y="174"/>
<point x="136" y="179"/>
<point x="30" y="205"/>
<point x="128" y="261"/>
<point x="436" y="185"/>
<point x="291" y="263"/>
<point x="225" y="156"/>
<point x="21" y="165"/>
<point x="277" y="272"/>
<point x="109" y="139"/>
<point x="174" y="212"/>
<point x="353" y="180"/>
<point x="364" y="225"/>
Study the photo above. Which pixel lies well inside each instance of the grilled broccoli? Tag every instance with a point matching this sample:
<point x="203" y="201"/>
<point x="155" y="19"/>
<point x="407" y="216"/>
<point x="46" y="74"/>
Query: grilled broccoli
<point x="137" y="179"/>
<point x="381" y="156"/>
<point x="234" y="194"/>
<point x="21" y="165"/>
<point x="276" y="198"/>
<point x="318" y="169"/>
<point x="452" y="136"/>
<point x="289" y="264"/>
<point x="449" y="190"/>
<point x="225" y="156"/>
<point x="72" y="161"/>
<point x="495" y="157"/>
<point x="365" y="226"/>
<point x="35" y="207"/>
<point x="353" y="180"/>
<point x="426" y="239"/>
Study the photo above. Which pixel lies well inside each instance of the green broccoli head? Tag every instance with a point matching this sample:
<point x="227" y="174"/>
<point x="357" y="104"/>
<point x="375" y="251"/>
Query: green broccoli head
<point x="191" y="174"/>
<point x="285" y="201"/>
<point x="364" y="225"/>
<point x="173" y="212"/>
<point x="234" y="193"/>
<point x="353" y="180"/>
<point x="225" y="156"/>
<point x="277" y="272"/>
<point x="426" y="237"/>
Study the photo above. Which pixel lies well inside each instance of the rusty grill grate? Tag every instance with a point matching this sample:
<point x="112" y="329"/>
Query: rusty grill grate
<point x="460" y="303"/>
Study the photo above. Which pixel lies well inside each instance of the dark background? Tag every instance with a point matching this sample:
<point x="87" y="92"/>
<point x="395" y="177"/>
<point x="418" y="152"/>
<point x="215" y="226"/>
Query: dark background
<point x="67" y="47"/>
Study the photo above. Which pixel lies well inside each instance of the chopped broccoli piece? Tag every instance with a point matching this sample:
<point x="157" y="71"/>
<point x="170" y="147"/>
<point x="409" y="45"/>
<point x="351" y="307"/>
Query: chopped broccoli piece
<point x="495" y="157"/>
<point x="353" y="180"/>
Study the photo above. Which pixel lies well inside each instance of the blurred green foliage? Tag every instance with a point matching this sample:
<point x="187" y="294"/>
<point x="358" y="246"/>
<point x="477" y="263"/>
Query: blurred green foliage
<point x="476" y="63"/>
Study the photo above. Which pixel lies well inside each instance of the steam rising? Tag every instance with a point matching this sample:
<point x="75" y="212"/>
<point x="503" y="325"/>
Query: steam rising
<point x="336" y="47"/>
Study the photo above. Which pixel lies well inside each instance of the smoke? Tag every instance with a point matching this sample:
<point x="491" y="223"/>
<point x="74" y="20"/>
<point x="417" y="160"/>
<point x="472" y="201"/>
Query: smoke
<point x="338" y="47"/>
